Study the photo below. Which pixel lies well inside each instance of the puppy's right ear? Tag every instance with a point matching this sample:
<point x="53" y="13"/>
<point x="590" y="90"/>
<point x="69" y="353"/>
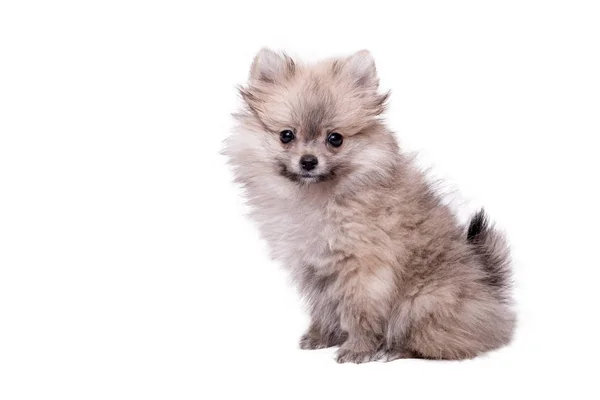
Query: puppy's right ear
<point x="361" y="68"/>
<point x="271" y="67"/>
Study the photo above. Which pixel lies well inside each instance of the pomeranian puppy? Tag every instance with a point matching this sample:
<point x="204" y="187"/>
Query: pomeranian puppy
<point x="386" y="269"/>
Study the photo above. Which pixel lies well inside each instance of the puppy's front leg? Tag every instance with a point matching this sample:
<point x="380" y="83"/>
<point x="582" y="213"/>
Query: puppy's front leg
<point x="366" y="291"/>
<point x="319" y="336"/>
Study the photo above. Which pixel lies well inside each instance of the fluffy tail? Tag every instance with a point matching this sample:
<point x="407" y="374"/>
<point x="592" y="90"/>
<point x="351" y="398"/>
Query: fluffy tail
<point x="492" y="248"/>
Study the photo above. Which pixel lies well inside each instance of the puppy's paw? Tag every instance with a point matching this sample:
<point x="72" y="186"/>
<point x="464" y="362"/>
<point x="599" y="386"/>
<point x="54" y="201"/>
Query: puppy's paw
<point x="346" y="355"/>
<point x="388" y="355"/>
<point x="313" y="342"/>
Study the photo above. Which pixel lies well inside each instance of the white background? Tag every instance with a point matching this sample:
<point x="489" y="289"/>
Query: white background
<point x="127" y="268"/>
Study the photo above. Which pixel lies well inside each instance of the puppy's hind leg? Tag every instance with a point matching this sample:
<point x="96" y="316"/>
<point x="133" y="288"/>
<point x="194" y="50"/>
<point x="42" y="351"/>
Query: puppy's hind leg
<point x="461" y="330"/>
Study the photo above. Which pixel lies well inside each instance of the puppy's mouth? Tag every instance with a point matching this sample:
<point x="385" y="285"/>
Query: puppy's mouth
<point x="305" y="177"/>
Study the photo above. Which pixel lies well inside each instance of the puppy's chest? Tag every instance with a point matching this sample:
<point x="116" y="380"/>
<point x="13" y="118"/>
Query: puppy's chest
<point x="304" y="236"/>
<point x="312" y="238"/>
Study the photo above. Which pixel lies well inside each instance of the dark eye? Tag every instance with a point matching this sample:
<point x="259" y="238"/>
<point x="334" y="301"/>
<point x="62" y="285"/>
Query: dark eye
<point x="286" y="136"/>
<point x="335" y="139"/>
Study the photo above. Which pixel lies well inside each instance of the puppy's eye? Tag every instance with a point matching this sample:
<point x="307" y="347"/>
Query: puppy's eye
<point x="335" y="139"/>
<point x="286" y="136"/>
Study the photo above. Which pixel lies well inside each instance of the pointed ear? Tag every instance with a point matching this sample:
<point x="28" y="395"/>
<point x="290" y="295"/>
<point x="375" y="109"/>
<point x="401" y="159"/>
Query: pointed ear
<point x="269" y="66"/>
<point x="361" y="68"/>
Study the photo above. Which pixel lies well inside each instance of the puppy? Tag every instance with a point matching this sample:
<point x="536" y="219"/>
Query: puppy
<point x="386" y="269"/>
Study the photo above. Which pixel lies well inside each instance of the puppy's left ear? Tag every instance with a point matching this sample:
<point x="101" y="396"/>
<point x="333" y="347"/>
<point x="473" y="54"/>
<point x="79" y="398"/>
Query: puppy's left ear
<point x="361" y="68"/>
<point x="269" y="67"/>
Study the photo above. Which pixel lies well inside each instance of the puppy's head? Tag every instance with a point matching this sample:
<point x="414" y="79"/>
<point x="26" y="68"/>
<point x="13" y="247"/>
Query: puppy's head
<point x="316" y="123"/>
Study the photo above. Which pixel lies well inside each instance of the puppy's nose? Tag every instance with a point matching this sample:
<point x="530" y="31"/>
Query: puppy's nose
<point x="308" y="162"/>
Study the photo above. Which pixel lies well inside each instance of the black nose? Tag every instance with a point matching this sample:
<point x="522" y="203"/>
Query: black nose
<point x="308" y="162"/>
